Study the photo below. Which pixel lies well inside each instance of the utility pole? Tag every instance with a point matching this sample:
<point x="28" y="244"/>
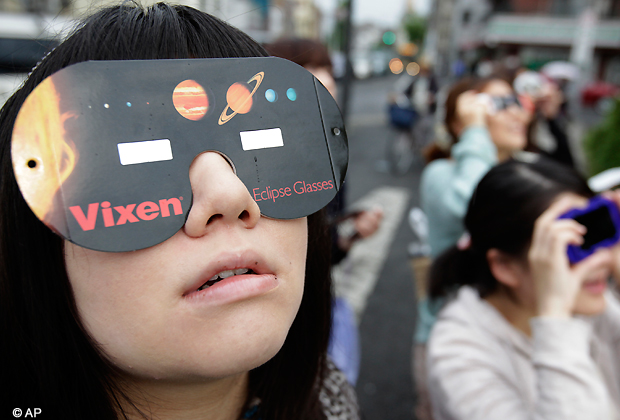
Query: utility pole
<point x="32" y="6"/>
<point x="348" y="74"/>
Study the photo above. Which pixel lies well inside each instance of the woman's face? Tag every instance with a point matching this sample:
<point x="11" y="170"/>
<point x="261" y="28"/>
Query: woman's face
<point x="590" y="299"/>
<point x="145" y="308"/>
<point x="507" y="127"/>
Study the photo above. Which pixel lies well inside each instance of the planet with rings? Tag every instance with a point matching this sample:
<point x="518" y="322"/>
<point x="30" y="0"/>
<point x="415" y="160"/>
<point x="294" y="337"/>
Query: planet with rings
<point x="239" y="98"/>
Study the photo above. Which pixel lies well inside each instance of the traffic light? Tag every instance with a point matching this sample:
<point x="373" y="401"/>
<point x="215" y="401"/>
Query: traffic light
<point x="389" y="38"/>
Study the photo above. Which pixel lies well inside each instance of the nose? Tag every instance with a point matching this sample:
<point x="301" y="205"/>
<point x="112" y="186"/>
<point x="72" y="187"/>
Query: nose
<point x="606" y="257"/>
<point x="220" y="198"/>
<point x="518" y="112"/>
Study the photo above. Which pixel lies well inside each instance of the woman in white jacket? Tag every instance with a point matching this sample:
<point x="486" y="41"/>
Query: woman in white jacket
<point x="513" y="344"/>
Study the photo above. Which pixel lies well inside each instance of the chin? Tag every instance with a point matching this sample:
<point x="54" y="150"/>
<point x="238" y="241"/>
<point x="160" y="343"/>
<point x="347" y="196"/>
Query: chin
<point x="209" y="364"/>
<point x="237" y="365"/>
<point x="196" y="350"/>
<point x="590" y="305"/>
<point x="519" y="144"/>
<point x="259" y="353"/>
<point x="512" y="145"/>
<point x="242" y="353"/>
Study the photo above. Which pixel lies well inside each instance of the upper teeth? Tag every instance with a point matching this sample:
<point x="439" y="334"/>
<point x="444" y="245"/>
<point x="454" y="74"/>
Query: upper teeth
<point x="224" y="274"/>
<point x="229" y="273"/>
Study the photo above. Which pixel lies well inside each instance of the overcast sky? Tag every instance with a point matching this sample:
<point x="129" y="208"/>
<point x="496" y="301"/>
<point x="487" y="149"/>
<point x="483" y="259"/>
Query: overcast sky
<point x="381" y="12"/>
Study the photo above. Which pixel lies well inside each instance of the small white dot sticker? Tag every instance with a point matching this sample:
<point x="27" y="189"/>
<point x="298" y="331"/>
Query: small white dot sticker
<point x="106" y="105"/>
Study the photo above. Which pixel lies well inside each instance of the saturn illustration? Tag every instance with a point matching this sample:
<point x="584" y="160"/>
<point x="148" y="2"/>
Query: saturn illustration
<point x="239" y="98"/>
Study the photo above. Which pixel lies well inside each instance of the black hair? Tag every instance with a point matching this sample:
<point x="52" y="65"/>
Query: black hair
<point x="49" y="359"/>
<point x="501" y="215"/>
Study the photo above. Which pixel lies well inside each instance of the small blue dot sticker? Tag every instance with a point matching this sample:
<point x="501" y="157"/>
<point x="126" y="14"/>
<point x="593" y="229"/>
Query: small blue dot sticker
<point x="129" y="104"/>
<point x="271" y="95"/>
<point x="291" y="94"/>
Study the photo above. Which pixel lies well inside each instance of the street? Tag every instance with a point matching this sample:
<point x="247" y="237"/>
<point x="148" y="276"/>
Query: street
<point x="377" y="277"/>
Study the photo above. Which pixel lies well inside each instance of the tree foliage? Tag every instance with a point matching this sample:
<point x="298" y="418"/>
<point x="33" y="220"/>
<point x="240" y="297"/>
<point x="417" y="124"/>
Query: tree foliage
<point x="415" y="27"/>
<point x="602" y="144"/>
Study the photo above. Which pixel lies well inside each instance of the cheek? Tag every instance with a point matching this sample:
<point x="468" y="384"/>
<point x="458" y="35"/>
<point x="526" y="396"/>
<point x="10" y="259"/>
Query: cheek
<point x="507" y="131"/>
<point x="290" y="239"/>
<point x="94" y="288"/>
<point x="589" y="303"/>
<point x="528" y="291"/>
<point x="525" y="293"/>
<point x="116" y="298"/>
<point x="495" y="126"/>
<point x="292" y="242"/>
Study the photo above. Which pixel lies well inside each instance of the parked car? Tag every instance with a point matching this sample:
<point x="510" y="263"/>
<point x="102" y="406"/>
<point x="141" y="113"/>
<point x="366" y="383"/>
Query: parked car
<point x="599" y="94"/>
<point x="24" y="41"/>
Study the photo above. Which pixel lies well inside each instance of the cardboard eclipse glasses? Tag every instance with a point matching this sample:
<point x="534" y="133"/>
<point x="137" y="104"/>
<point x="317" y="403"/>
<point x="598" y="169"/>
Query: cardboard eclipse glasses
<point x="101" y="150"/>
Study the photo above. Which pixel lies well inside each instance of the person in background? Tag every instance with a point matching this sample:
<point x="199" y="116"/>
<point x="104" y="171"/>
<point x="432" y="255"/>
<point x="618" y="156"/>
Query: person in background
<point x="526" y="334"/>
<point x="144" y="334"/>
<point x="553" y="124"/>
<point x="459" y="68"/>
<point x="308" y="53"/>
<point x="422" y="93"/>
<point x="548" y="129"/>
<point x="423" y="89"/>
<point x="344" y="344"/>
<point x="484" y="131"/>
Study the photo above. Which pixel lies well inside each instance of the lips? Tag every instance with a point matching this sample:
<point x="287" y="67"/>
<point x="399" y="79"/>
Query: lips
<point x="595" y="286"/>
<point x="229" y="268"/>
<point x="224" y="275"/>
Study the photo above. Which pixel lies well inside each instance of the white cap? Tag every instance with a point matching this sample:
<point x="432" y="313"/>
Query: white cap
<point x="605" y="180"/>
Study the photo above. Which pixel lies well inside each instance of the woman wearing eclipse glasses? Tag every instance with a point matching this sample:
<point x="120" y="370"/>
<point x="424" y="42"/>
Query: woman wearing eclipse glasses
<point x="190" y="279"/>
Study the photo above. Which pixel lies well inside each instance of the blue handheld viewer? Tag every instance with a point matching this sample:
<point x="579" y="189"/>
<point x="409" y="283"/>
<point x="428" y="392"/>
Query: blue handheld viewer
<point x="602" y="219"/>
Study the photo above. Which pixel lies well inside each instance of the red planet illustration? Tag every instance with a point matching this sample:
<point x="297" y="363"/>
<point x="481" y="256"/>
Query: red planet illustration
<point x="190" y="100"/>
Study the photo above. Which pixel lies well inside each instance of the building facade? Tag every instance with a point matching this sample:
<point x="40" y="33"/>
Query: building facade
<point x="264" y="20"/>
<point x="586" y="32"/>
